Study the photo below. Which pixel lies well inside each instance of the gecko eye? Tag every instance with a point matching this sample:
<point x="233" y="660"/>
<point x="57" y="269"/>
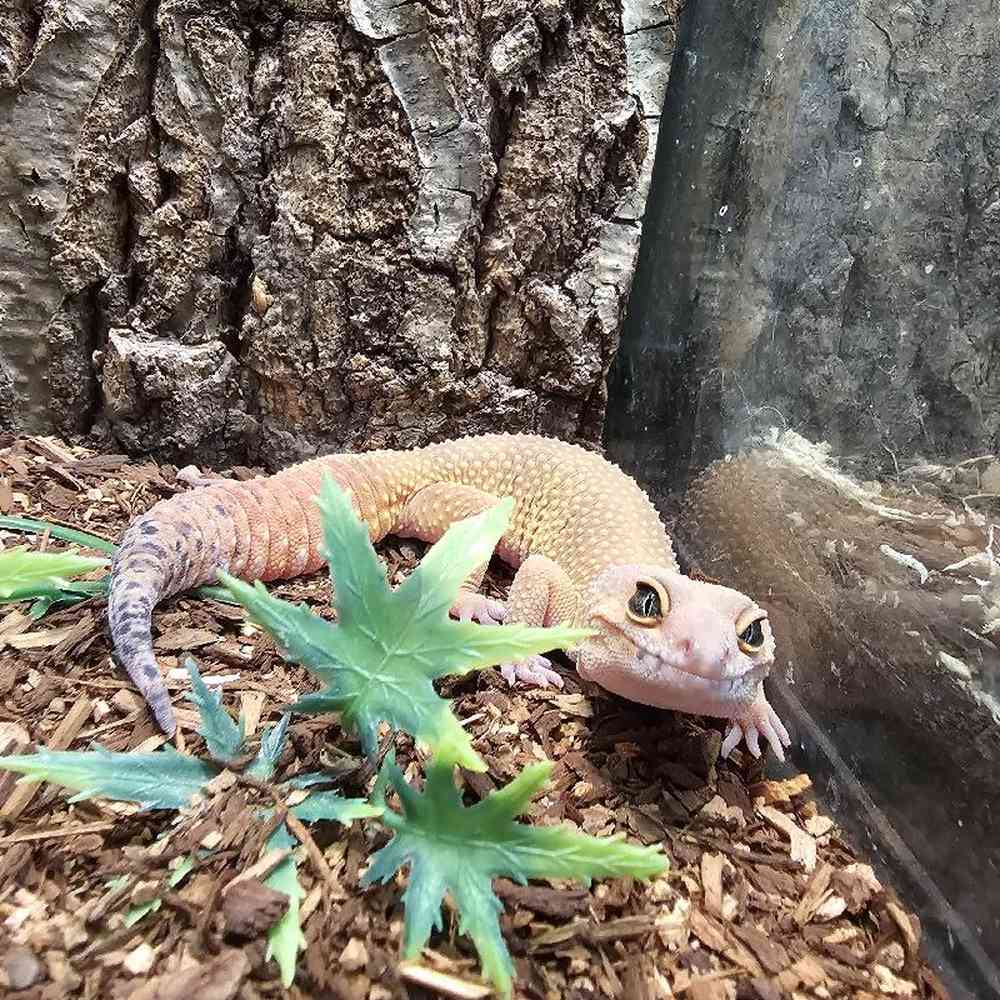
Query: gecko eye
<point x="648" y="604"/>
<point x="750" y="634"/>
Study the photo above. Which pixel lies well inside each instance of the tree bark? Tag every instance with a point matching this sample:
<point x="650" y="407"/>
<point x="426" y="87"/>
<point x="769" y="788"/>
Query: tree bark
<point x="234" y="231"/>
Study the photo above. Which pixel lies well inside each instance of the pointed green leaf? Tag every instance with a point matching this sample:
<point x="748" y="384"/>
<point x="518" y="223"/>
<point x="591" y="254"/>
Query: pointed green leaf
<point x="29" y="525"/>
<point x="36" y="573"/>
<point x="452" y="848"/>
<point x="223" y="737"/>
<point x="379" y="662"/>
<point x="161" y="780"/>
<point x="285" y="938"/>
<point x="361" y="590"/>
<point x="45" y="595"/>
<point x="330" y="805"/>
<point x="136" y="913"/>
<point x="271" y="744"/>
<point x="311" y="778"/>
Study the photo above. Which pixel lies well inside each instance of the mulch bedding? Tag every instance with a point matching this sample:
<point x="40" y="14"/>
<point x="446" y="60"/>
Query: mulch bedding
<point x="764" y="897"/>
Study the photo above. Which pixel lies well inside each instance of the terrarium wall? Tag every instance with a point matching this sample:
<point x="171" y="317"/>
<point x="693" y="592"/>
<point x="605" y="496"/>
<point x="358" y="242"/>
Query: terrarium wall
<point x="236" y="231"/>
<point x="808" y="378"/>
<point x="822" y="250"/>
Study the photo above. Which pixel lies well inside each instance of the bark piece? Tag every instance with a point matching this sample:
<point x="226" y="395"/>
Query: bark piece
<point x="250" y="907"/>
<point x="218" y="979"/>
<point x="22" y="968"/>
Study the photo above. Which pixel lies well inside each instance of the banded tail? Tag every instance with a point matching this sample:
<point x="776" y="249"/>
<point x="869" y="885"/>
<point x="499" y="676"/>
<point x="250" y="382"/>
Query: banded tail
<point x="263" y="529"/>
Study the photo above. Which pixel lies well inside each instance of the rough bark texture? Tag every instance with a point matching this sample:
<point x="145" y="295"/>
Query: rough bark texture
<point x="825" y="203"/>
<point x="234" y="231"/>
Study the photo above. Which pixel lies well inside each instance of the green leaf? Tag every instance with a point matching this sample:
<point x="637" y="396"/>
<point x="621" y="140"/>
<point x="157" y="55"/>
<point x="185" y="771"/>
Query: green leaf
<point x="29" y="525"/>
<point x="73" y="594"/>
<point x="223" y="737"/>
<point x="136" y="913"/>
<point x="312" y="778"/>
<point x="381" y="658"/>
<point x="271" y="744"/>
<point x="162" y="780"/>
<point x="285" y="938"/>
<point x="330" y="805"/>
<point x="452" y="848"/>
<point x="25" y="574"/>
<point x="45" y="596"/>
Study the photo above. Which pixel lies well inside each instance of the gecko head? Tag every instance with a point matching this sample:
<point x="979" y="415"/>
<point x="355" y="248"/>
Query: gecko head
<point x="670" y="641"/>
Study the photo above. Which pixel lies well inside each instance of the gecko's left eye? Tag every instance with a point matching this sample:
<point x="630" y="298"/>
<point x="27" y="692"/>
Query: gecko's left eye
<point x="648" y="604"/>
<point x="750" y="632"/>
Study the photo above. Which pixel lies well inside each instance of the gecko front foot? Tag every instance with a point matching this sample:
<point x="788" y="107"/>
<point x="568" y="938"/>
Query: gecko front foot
<point x="759" y="720"/>
<point x="534" y="670"/>
<point x="470" y="607"/>
<point x="192" y="476"/>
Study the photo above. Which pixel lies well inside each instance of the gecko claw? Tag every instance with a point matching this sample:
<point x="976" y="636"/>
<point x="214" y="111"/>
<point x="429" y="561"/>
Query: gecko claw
<point x="760" y="720"/>
<point x="534" y="670"/>
<point x="479" y="608"/>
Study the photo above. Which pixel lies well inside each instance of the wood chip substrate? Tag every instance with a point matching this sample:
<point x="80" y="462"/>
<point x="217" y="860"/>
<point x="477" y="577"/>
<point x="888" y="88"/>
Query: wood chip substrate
<point x="764" y="898"/>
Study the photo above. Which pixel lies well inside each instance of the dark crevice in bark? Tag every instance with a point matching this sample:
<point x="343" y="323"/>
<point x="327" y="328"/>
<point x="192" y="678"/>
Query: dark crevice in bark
<point x="502" y="126"/>
<point x="95" y="330"/>
<point x="236" y="273"/>
<point x="556" y="45"/>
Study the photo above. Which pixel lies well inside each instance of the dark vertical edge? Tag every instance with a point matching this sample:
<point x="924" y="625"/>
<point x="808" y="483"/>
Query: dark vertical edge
<point x="663" y="408"/>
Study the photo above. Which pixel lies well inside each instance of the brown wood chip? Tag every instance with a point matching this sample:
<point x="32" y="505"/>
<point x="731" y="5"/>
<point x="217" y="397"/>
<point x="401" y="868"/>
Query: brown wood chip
<point x="558" y="904"/>
<point x="183" y="639"/>
<point x="711" y="882"/>
<point x="708" y="932"/>
<point x="443" y="983"/>
<point x="250" y="907"/>
<point x="803" y="846"/>
<point x="218" y="979"/>
<point x="6" y="496"/>
<point x="781" y="792"/>
<point x="814" y="894"/>
<point x="769" y="953"/>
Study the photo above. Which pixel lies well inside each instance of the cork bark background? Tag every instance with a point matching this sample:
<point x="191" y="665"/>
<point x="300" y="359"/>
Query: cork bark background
<point x="236" y="230"/>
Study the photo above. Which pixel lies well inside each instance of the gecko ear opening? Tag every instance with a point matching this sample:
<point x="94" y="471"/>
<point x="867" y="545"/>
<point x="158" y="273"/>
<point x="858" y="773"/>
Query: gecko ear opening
<point x="649" y="604"/>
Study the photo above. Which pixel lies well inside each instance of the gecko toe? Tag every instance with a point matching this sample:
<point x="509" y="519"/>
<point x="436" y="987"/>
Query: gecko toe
<point x="534" y="671"/>
<point x="733" y="736"/>
<point x="479" y="608"/>
<point x="761" y="720"/>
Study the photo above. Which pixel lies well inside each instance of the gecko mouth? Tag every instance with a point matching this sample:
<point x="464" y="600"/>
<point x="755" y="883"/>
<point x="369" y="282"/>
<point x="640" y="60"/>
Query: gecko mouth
<point x="653" y="666"/>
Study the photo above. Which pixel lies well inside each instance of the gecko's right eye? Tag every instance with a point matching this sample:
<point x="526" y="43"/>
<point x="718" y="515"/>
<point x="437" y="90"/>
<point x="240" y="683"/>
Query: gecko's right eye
<point x="648" y="604"/>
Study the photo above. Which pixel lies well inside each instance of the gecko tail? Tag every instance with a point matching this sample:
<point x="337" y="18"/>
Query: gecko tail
<point x="140" y="576"/>
<point x="262" y="529"/>
<point x="141" y="666"/>
<point x="167" y="550"/>
<point x="130" y="616"/>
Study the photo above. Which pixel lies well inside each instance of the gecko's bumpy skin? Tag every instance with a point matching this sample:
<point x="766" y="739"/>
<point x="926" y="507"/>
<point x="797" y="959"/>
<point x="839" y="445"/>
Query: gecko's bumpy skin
<point x="590" y="546"/>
